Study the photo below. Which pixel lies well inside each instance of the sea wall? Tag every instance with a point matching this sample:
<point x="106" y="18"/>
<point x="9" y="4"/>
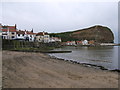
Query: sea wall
<point x="15" y="44"/>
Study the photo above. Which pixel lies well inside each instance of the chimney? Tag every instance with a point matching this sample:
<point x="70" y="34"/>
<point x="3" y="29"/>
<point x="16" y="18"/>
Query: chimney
<point x="32" y="30"/>
<point x="15" y="26"/>
<point x="43" y="33"/>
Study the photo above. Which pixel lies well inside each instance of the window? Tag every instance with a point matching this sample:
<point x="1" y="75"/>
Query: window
<point x="12" y="36"/>
<point x="46" y="36"/>
<point x="23" y="35"/>
<point x="18" y="34"/>
<point x="4" y="27"/>
<point x="3" y="37"/>
<point x="12" y="32"/>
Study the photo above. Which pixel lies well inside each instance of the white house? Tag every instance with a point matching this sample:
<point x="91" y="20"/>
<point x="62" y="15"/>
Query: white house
<point x="20" y="35"/>
<point x="42" y="37"/>
<point x="26" y="35"/>
<point x="85" y="42"/>
<point x="55" y="39"/>
<point x="70" y="43"/>
<point x="30" y="35"/>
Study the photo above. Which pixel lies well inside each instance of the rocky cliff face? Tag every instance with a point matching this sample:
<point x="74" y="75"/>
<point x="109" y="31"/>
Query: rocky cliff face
<point x="98" y="33"/>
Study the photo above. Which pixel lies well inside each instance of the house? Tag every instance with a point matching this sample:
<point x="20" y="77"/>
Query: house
<point x="85" y="42"/>
<point x="70" y="43"/>
<point x="91" y="42"/>
<point x="42" y="37"/>
<point x="79" y="42"/>
<point x="55" y="39"/>
<point x="20" y="34"/>
<point x="30" y="35"/>
<point x="9" y="32"/>
<point x="26" y="35"/>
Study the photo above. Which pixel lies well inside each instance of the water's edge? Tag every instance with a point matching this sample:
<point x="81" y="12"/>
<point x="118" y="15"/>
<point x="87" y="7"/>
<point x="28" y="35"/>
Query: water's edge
<point x="84" y="64"/>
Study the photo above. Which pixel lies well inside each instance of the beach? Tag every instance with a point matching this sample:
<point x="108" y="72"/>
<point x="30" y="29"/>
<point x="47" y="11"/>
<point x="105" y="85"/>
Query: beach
<point x="38" y="70"/>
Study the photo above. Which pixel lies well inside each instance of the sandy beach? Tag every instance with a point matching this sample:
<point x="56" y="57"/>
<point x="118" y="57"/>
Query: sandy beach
<point x="37" y="70"/>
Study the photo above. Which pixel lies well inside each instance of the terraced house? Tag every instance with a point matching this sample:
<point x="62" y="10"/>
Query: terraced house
<point x="12" y="33"/>
<point x="25" y="35"/>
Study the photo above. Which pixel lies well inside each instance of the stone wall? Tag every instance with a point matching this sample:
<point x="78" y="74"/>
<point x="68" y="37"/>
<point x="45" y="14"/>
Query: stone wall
<point x="15" y="44"/>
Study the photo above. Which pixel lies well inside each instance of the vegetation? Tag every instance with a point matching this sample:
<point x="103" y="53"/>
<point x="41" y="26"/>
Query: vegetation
<point x="97" y="33"/>
<point x="65" y="36"/>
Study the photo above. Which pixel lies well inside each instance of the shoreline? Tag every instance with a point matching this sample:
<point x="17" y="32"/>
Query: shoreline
<point x="72" y="61"/>
<point x="85" y="64"/>
<point x="38" y="70"/>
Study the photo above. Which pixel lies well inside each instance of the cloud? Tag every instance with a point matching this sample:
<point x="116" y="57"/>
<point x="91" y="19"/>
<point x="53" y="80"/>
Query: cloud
<point x="60" y="16"/>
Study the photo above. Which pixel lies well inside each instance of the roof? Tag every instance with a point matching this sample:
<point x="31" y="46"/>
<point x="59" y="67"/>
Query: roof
<point x="25" y="32"/>
<point x="10" y="28"/>
<point x="20" y="32"/>
<point x="31" y="33"/>
<point x="55" y="38"/>
<point x="42" y="33"/>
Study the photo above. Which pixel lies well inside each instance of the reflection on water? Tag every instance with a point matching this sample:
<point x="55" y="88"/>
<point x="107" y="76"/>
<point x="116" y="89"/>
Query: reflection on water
<point x="103" y="56"/>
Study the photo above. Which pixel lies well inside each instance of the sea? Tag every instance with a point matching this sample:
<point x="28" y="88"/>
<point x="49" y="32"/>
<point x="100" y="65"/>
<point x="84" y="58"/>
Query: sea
<point x="105" y="56"/>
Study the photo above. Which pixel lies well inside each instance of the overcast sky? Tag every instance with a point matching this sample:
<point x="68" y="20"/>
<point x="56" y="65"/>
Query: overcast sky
<point x="60" y="16"/>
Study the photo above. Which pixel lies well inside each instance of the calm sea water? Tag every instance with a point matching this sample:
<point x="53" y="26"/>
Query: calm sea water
<point x="102" y="56"/>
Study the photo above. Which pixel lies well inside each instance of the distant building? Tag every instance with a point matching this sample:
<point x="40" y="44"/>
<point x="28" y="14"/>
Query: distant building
<point x="79" y="42"/>
<point x="70" y="43"/>
<point x="91" y="42"/>
<point x="85" y="42"/>
<point x="55" y="39"/>
<point x="42" y="37"/>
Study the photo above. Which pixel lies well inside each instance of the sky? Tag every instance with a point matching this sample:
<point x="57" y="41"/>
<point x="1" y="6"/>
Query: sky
<point x="60" y="16"/>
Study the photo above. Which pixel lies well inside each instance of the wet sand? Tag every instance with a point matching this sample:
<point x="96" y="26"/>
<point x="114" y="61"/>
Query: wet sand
<point x="37" y="70"/>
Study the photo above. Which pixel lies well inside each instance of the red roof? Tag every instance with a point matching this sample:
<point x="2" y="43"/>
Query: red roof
<point x="25" y="32"/>
<point x="20" y="32"/>
<point x="31" y="33"/>
<point x="10" y="28"/>
<point x="42" y="33"/>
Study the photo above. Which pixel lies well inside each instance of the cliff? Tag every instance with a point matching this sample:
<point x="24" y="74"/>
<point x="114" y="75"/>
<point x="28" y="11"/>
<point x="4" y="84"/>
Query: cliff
<point x="98" y="33"/>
